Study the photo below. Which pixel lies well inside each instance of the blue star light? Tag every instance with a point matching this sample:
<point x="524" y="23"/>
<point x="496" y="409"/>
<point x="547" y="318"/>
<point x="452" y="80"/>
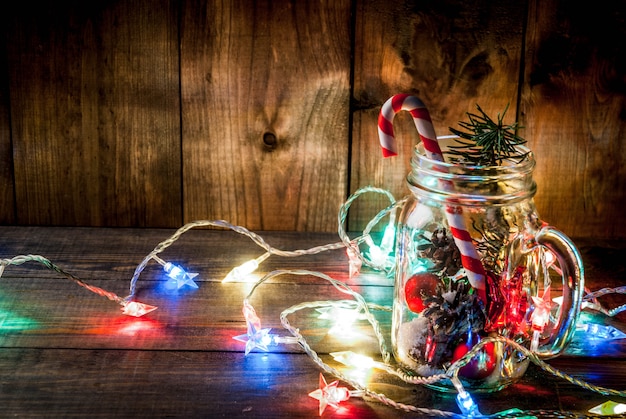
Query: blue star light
<point x="256" y="338"/>
<point x="178" y="277"/>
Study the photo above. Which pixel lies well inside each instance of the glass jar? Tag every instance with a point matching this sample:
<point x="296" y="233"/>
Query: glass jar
<point x="439" y="314"/>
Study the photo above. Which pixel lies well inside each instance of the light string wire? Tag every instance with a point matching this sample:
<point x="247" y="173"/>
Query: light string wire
<point x="454" y="368"/>
<point x="226" y="225"/>
<point x="343" y="215"/>
<point x="452" y="371"/>
<point x="19" y="260"/>
<point x="366" y="307"/>
<point x="341" y="287"/>
<point x="593" y="297"/>
<point x="345" y="240"/>
<point x="257" y="239"/>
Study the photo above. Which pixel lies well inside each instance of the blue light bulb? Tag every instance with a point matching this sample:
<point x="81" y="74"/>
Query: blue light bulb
<point x="178" y="277"/>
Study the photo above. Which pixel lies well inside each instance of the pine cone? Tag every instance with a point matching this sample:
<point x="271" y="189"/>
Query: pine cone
<point x="451" y="315"/>
<point x="443" y="252"/>
<point x="456" y="311"/>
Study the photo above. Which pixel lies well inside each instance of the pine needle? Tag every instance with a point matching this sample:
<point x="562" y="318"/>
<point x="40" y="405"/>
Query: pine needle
<point x="486" y="142"/>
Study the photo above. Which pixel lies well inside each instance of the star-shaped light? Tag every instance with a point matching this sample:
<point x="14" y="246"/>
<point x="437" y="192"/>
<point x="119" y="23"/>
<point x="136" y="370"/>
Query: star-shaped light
<point x="540" y="316"/>
<point x="333" y="313"/>
<point x="256" y="338"/>
<point x="179" y="277"/>
<point x="600" y="331"/>
<point x="541" y="313"/>
<point x="377" y="255"/>
<point x="330" y="394"/>
<point x="136" y="309"/>
<point x="343" y="319"/>
<point x="355" y="262"/>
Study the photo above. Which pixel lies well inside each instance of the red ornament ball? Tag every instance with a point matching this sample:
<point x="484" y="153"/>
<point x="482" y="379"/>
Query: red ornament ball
<point x="421" y="284"/>
<point x="483" y="363"/>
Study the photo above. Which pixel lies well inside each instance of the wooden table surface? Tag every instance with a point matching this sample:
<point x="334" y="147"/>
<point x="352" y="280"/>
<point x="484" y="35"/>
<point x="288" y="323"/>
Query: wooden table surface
<point x="67" y="352"/>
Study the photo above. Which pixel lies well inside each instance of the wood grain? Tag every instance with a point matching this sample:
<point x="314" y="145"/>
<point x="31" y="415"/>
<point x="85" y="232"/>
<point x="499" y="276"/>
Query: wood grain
<point x="573" y="111"/>
<point x="69" y="353"/>
<point x="453" y="55"/>
<point x="95" y="113"/>
<point x="7" y="193"/>
<point x="125" y="384"/>
<point x="265" y="112"/>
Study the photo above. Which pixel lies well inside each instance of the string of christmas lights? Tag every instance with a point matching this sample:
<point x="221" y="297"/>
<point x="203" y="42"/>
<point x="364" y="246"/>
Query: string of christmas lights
<point x="377" y="256"/>
<point x="464" y="400"/>
<point x="592" y="300"/>
<point x="131" y="308"/>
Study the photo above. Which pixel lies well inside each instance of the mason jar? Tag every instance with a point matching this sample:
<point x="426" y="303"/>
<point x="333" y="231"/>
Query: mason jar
<point x="439" y="314"/>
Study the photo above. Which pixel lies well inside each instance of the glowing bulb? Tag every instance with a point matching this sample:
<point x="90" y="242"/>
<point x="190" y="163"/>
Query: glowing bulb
<point x="354" y="261"/>
<point x="550" y="258"/>
<point x="464" y="400"/>
<point x="377" y="255"/>
<point x="239" y="273"/>
<point x="343" y="318"/>
<point x="541" y="312"/>
<point x="135" y="309"/>
<point x="262" y="339"/>
<point x="389" y="237"/>
<point x="331" y="394"/>
<point x="257" y="337"/>
<point x="350" y="359"/>
<point x="179" y="277"/>
<point x="467" y="405"/>
<point x="583" y="305"/>
<point x="360" y="366"/>
<point x="550" y="261"/>
<point x="540" y="317"/>
<point x="600" y="331"/>
<point x="609" y="408"/>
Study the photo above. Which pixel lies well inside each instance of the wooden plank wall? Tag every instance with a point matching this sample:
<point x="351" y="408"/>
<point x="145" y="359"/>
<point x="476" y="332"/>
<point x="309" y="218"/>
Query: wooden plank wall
<point x="269" y="85"/>
<point x="95" y="113"/>
<point x="263" y="113"/>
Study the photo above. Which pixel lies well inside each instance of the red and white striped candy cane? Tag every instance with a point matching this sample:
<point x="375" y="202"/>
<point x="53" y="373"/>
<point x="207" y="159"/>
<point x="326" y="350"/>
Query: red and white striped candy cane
<point x="421" y="118"/>
<point x="469" y="255"/>
<point x="454" y="214"/>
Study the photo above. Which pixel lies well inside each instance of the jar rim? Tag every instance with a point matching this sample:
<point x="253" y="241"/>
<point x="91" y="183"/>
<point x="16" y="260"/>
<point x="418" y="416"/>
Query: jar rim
<point x="471" y="184"/>
<point x="524" y="166"/>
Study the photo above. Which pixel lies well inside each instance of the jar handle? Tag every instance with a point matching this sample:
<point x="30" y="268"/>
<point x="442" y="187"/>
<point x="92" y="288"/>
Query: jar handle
<point x="572" y="273"/>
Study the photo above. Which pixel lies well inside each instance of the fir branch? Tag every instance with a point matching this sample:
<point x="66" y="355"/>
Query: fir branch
<point x="486" y="142"/>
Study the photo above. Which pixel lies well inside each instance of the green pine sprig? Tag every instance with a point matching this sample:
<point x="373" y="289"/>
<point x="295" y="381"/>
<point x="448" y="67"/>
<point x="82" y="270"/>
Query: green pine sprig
<point x="486" y="142"/>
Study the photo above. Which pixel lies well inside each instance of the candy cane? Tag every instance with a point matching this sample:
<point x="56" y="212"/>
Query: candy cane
<point x="454" y="214"/>
<point x="422" y="121"/>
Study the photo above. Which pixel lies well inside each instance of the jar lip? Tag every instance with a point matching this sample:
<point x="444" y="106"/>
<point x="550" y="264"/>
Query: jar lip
<point x="474" y="199"/>
<point x="527" y="164"/>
